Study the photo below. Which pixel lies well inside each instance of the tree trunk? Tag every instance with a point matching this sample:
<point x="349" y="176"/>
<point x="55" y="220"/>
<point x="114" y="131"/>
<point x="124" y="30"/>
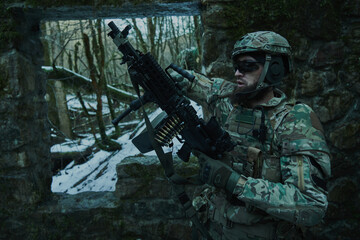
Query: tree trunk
<point x="173" y="52"/>
<point x="92" y="127"/>
<point x="139" y="36"/>
<point x="46" y="45"/>
<point x="76" y="57"/>
<point x="159" y="43"/>
<point x="62" y="109"/>
<point x="60" y="41"/>
<point x="97" y="87"/>
<point x="101" y="67"/>
<point x="151" y="26"/>
<point x="198" y="34"/>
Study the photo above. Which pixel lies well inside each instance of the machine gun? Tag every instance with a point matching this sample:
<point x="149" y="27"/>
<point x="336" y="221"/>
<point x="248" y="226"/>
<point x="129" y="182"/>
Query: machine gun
<point x="179" y="118"/>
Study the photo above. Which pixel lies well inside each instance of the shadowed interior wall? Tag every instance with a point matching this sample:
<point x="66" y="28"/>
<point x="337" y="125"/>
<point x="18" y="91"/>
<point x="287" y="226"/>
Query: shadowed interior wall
<point x="325" y="38"/>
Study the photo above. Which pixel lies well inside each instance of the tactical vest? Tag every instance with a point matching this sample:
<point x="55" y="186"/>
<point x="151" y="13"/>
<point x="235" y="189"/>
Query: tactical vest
<point x="244" y="127"/>
<point x="257" y="154"/>
<point x="254" y="130"/>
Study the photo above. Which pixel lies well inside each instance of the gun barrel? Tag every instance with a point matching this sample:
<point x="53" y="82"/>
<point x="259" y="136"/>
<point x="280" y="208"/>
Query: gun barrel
<point x="134" y="105"/>
<point x="182" y="72"/>
<point x="120" y="117"/>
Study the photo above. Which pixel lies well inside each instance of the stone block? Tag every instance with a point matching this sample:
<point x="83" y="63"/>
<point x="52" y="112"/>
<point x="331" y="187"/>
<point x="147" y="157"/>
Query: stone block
<point x="343" y="190"/>
<point x="215" y="17"/>
<point x="18" y="190"/>
<point x="10" y="135"/>
<point x="143" y="177"/>
<point x="21" y="74"/>
<point x="211" y="47"/>
<point x="333" y="105"/>
<point x="328" y="54"/>
<point x="346" y="136"/>
<point x="14" y="160"/>
<point x="312" y="83"/>
<point x="217" y="54"/>
<point x="302" y="51"/>
<point x="351" y="8"/>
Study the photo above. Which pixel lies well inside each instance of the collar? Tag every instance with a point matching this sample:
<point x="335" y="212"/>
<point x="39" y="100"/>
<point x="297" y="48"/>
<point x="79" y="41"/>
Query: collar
<point x="279" y="97"/>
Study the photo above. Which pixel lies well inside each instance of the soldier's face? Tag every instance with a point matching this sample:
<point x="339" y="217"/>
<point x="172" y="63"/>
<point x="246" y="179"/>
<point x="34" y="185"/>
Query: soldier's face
<point x="247" y="73"/>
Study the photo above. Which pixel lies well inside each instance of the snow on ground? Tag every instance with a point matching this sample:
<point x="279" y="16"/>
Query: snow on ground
<point x="75" y="105"/>
<point x="99" y="172"/>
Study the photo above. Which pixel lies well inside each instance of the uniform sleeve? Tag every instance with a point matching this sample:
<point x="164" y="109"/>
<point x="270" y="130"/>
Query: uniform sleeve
<point x="208" y="93"/>
<point x="199" y="89"/>
<point x="301" y="195"/>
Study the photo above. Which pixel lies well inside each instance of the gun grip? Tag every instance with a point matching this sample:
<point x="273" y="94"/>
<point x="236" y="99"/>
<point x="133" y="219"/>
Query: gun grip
<point x="184" y="152"/>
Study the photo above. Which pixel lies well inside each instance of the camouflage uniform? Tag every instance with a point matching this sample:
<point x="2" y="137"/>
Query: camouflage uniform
<point x="283" y="185"/>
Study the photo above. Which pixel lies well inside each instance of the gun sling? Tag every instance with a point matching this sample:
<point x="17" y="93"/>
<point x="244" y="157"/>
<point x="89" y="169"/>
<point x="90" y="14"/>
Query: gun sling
<point x="176" y="180"/>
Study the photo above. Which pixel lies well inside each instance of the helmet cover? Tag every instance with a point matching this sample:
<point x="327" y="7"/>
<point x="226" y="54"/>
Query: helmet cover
<point x="262" y="41"/>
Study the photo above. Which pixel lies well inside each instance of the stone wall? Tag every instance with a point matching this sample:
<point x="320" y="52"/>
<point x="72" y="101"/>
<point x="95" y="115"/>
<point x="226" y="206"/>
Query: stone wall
<point x="325" y="36"/>
<point x="25" y="174"/>
<point x="142" y="207"/>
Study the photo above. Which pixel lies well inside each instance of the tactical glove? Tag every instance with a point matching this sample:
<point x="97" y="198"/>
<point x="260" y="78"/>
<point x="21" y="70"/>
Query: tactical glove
<point x="181" y="82"/>
<point x="216" y="173"/>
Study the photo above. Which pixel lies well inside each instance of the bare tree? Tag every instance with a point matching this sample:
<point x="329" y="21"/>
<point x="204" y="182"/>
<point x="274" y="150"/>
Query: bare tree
<point x="151" y="27"/>
<point x="97" y="79"/>
<point x="71" y="42"/>
<point x="102" y="67"/>
<point x="140" y="40"/>
<point x="62" y="109"/>
<point x="174" y="47"/>
<point x="198" y="33"/>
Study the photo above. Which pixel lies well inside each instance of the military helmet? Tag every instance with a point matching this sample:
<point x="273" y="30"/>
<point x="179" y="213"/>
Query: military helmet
<point x="262" y="41"/>
<point x="277" y="53"/>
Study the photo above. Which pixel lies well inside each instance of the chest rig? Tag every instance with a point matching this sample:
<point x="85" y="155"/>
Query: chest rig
<point x="257" y="153"/>
<point x="252" y="131"/>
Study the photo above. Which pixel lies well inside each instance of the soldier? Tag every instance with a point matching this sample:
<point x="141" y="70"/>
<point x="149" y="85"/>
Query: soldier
<point x="274" y="181"/>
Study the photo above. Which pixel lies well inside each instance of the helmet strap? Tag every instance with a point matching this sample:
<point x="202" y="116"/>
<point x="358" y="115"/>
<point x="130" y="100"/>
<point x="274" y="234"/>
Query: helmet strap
<point x="260" y="84"/>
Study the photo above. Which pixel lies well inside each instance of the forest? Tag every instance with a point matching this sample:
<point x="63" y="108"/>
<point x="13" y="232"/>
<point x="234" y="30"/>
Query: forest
<point x="88" y="86"/>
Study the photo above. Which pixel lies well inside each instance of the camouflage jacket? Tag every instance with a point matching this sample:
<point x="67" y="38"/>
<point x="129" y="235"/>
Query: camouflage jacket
<point x="285" y="179"/>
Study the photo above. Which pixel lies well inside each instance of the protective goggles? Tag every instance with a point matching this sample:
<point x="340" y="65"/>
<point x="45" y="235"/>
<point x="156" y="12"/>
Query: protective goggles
<point x="246" y="66"/>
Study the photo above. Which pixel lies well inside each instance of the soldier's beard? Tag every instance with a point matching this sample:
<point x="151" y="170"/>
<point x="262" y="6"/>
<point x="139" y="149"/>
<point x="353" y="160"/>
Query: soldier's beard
<point x="240" y="95"/>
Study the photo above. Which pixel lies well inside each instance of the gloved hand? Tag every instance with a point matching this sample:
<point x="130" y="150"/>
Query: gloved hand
<point x="181" y="82"/>
<point x="216" y="173"/>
